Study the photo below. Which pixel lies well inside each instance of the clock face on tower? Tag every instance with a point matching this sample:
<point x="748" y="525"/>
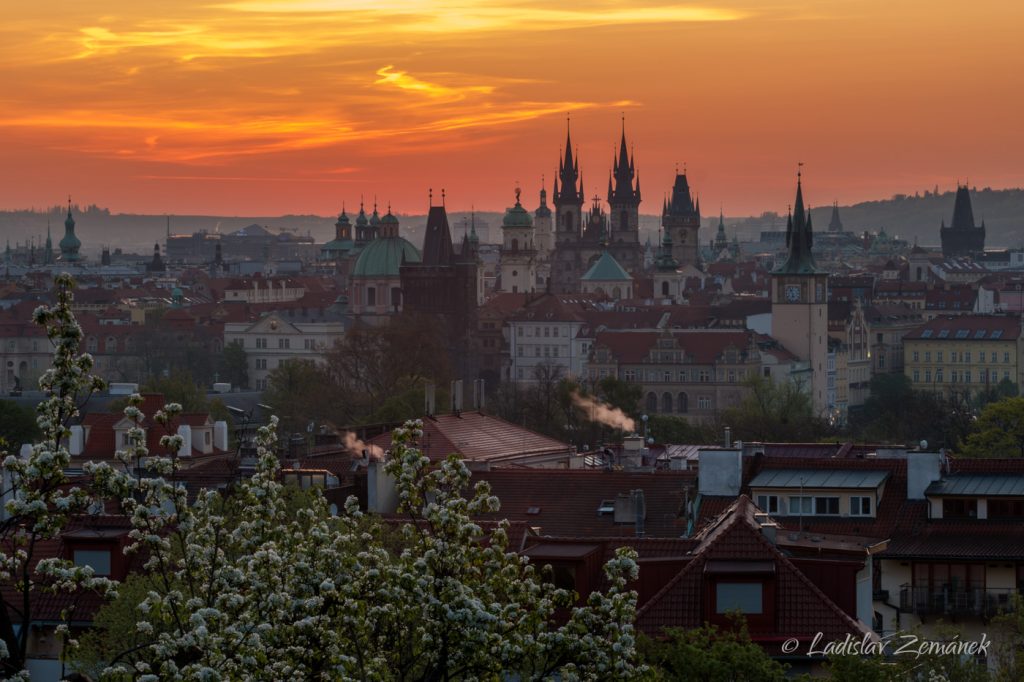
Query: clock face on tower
<point x="792" y="293"/>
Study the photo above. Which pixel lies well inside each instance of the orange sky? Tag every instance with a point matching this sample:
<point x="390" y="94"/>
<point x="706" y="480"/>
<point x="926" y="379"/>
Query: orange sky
<point x="258" y="107"/>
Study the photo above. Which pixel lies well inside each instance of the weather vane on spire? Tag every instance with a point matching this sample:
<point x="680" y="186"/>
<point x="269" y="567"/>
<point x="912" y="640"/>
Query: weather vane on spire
<point x="799" y="168"/>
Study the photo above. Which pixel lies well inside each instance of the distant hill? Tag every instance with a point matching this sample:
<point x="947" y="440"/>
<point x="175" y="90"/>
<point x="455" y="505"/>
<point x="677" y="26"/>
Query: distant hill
<point x="909" y="217"/>
<point x="920" y="216"/>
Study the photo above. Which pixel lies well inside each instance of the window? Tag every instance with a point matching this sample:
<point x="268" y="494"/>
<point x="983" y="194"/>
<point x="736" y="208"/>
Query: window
<point x="261" y="342"/>
<point x="97" y="559"/>
<point x="1006" y="358"/>
<point x="284" y="343"/>
<point x="651" y="403"/>
<point x="536" y="351"/>
<point x="995" y="357"/>
<point x="666" y="403"/>
<point x="917" y="376"/>
<point x="959" y="508"/>
<point x="705" y="376"/>
<point x="92" y="344"/>
<point x="519" y="351"/>
<point x="732" y="376"/>
<point x="308" y="344"/>
<point x="1005" y="509"/>
<point x="110" y="346"/>
<point x="554" y="351"/>
<point x="826" y="505"/>
<point x="704" y="402"/>
<point x="519" y="331"/>
<point x="554" y="331"/>
<point x="547" y="332"/>
<point x="927" y="376"/>
<point x="742" y="597"/>
<point x="207" y="437"/>
<point x="683" y="403"/>
<point x="629" y="375"/>
<point x="915" y="356"/>
<point x="938" y="356"/>
<point x="768" y="503"/>
<point x="860" y="506"/>
<point x="682" y="376"/>
<point x="967" y="356"/>
<point x="666" y="376"/>
<point x="371" y="296"/>
<point x="800" y="505"/>
<point x="938" y="376"/>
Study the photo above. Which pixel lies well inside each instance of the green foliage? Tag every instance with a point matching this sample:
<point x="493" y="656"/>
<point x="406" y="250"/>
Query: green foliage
<point x="998" y="431"/>
<point x="895" y="413"/>
<point x="665" y="428"/>
<point x="710" y="654"/>
<point x="621" y="394"/>
<point x="774" y="412"/>
<point x="17" y="425"/>
<point x="296" y="391"/>
<point x="235" y="365"/>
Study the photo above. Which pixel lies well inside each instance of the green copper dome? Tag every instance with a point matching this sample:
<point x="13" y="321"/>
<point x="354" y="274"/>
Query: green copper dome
<point x="70" y="244"/>
<point x="389" y="219"/>
<point x="383" y="257"/>
<point x="517" y="216"/>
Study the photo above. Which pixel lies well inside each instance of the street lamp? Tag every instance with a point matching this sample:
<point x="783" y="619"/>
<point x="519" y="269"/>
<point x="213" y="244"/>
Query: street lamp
<point x="644" y="419"/>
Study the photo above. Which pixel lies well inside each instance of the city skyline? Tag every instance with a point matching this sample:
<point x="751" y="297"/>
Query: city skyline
<point x="265" y="107"/>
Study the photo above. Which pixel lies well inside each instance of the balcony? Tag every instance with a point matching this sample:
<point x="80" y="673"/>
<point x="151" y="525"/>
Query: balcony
<point x="955" y="600"/>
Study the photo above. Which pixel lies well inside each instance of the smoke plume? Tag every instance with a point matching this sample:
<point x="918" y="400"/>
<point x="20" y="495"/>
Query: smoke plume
<point x="604" y="413"/>
<point x="354" y="444"/>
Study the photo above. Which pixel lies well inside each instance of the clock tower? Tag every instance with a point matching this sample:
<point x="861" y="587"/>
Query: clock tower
<point x="800" y="303"/>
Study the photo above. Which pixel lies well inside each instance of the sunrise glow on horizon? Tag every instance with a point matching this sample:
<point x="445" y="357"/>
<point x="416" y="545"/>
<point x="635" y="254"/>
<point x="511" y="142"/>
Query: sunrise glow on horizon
<point x="266" y="107"/>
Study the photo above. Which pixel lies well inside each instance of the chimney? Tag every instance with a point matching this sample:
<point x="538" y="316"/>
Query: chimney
<point x="923" y="469"/>
<point x="457" y="396"/>
<point x="479" y="387"/>
<point x="728" y="437"/>
<point x="640" y="508"/>
<point x="720" y="472"/>
<point x="185" y="431"/>
<point x="220" y="435"/>
<point x="381" y="494"/>
<point x="429" y="400"/>
<point x="76" y="444"/>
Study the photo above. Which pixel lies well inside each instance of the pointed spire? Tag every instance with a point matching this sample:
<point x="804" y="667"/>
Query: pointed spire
<point x="799" y="236"/>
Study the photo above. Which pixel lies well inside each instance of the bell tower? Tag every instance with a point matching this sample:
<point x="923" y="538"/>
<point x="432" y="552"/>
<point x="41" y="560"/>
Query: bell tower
<point x="624" y="196"/>
<point x="800" y="302"/>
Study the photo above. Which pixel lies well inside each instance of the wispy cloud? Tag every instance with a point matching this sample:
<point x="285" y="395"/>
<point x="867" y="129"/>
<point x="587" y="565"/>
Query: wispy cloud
<point x="404" y="81"/>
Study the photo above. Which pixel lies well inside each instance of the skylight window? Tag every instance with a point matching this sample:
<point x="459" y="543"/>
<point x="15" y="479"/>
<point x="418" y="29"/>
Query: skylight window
<point x="980" y="334"/>
<point x="926" y="334"/>
<point x="943" y="333"/>
<point x="996" y="334"/>
<point x="962" y="333"/>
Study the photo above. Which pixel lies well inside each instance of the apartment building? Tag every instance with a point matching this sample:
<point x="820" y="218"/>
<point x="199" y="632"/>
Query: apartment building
<point x="273" y="340"/>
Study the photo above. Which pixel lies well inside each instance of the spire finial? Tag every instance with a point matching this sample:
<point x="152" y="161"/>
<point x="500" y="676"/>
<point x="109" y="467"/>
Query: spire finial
<point x="430" y="196"/>
<point x="799" y="170"/>
<point x="361" y="204"/>
<point x="442" y="196"/>
<point x="517" y="192"/>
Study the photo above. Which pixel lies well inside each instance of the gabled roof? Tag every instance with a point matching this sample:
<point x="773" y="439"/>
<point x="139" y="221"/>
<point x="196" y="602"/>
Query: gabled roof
<point x="801" y="608"/>
<point x="606" y="269"/>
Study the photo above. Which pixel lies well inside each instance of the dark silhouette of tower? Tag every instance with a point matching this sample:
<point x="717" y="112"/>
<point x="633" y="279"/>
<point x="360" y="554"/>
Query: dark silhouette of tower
<point x="680" y="218"/>
<point x="624" y="196"/>
<point x="962" y="237"/>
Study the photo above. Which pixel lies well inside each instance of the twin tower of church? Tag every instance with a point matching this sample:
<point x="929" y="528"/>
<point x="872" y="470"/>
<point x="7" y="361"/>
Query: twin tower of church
<point x="563" y="244"/>
<point x="570" y="246"/>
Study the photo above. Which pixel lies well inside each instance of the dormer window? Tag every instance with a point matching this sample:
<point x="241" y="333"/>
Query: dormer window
<point x="959" y="508"/>
<point x="97" y="559"/>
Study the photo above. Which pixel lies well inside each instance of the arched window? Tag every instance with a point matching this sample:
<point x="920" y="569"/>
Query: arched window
<point x="666" y="403"/>
<point x="92" y="345"/>
<point x="652" y="402"/>
<point x="515" y="244"/>
<point x="110" y="345"/>
<point x="396" y="298"/>
<point x="664" y="288"/>
<point x="683" y="404"/>
<point x="616" y="293"/>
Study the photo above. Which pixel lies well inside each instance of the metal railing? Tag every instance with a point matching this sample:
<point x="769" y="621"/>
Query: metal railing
<point x="955" y="600"/>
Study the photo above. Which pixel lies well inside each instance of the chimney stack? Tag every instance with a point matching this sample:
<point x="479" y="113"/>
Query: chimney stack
<point x="429" y="400"/>
<point x="457" y="396"/>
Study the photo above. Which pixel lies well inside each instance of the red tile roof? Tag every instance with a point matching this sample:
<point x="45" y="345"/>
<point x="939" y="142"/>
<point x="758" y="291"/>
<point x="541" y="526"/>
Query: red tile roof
<point x="565" y="502"/>
<point x="479" y="437"/>
<point x="977" y="540"/>
<point x="801" y="609"/>
<point x="1008" y="328"/>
